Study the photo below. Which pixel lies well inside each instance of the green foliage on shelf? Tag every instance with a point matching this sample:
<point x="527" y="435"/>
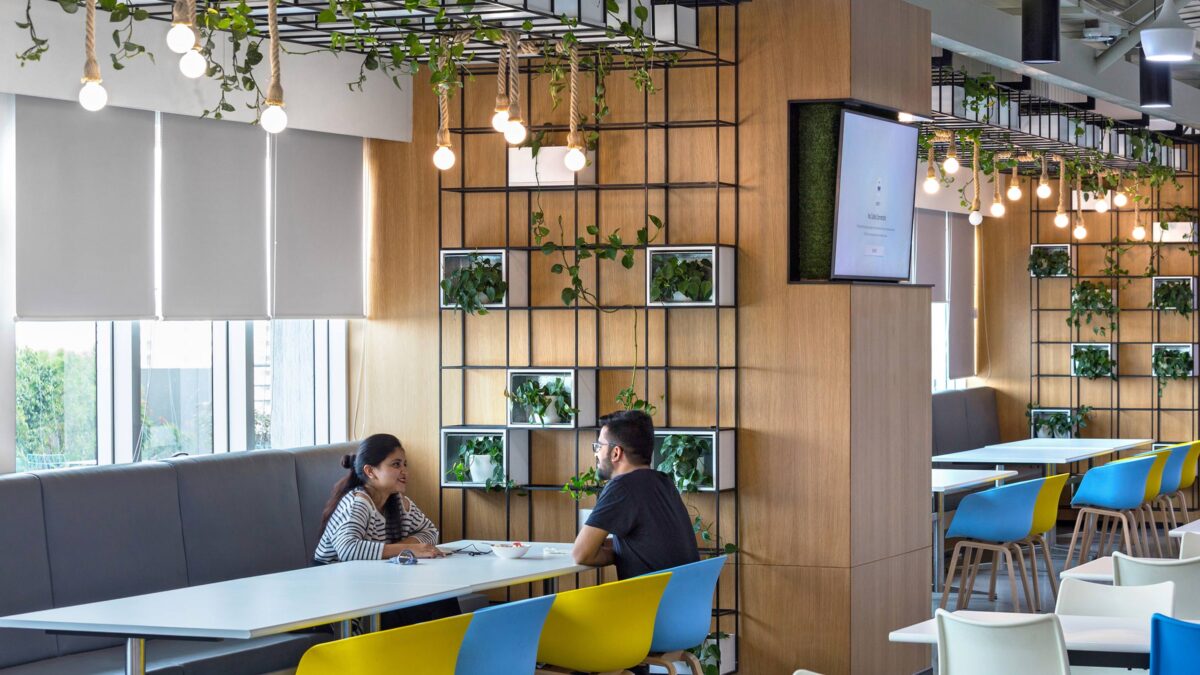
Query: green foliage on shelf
<point x="813" y="195"/>
<point x="584" y="484"/>
<point x="1093" y="362"/>
<point x="537" y="398"/>
<point x="690" y="277"/>
<point x="709" y="653"/>
<point x="480" y="282"/>
<point x="682" y="456"/>
<point x="491" y="446"/>
<point x="1089" y="300"/>
<point x="628" y="397"/>
<point x="1170" y="364"/>
<point x="1174" y="295"/>
<point x="704" y="531"/>
<point x="1050" y="262"/>
<point x="1057" y="424"/>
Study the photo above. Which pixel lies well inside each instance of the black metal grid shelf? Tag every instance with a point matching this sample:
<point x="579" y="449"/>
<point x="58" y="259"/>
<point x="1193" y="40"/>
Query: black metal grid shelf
<point x="599" y="187"/>
<point x="608" y="126"/>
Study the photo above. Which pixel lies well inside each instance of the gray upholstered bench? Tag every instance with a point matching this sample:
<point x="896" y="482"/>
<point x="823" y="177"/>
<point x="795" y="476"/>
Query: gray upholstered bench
<point x="83" y="535"/>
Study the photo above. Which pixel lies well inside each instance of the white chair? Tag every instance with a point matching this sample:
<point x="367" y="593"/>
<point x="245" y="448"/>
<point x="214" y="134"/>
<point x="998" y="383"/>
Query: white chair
<point x="1138" y="602"/>
<point x="1189" y="547"/>
<point x="1128" y="571"/>
<point x="1001" y="646"/>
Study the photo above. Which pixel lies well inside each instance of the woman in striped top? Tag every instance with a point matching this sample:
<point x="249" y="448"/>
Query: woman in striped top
<point x="368" y="517"/>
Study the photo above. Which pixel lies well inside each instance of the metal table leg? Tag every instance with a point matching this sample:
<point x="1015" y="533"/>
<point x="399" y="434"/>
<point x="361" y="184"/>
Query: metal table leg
<point x="135" y="656"/>
<point x="373" y="623"/>
<point x="550" y="586"/>
<point x="345" y="628"/>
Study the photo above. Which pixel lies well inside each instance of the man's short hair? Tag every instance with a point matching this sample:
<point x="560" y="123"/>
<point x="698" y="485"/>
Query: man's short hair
<point x="633" y="430"/>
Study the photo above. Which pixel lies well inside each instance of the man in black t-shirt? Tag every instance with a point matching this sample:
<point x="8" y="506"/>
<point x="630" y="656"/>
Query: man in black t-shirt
<point x="639" y="506"/>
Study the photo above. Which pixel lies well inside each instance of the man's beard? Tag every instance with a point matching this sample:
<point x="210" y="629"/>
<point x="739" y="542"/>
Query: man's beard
<point x="605" y="473"/>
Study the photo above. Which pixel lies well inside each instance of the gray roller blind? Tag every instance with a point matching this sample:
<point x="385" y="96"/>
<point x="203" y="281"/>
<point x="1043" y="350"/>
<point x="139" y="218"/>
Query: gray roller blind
<point x="84" y="211"/>
<point x="961" y="298"/>
<point x="318" y="226"/>
<point x="214" y="220"/>
<point x="929" y="251"/>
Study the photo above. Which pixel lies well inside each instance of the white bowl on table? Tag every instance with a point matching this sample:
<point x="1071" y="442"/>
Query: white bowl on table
<point x="509" y="551"/>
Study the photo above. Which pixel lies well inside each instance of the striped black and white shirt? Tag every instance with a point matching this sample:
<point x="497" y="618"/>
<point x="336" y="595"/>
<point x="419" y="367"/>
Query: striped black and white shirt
<point x="358" y="531"/>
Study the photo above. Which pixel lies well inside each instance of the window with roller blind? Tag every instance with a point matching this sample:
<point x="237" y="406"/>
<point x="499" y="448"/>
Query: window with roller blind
<point x="944" y="258"/>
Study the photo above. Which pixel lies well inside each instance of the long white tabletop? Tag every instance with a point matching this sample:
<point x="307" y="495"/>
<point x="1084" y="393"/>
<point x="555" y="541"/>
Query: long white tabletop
<point x="1099" y="571"/>
<point x="1193" y="526"/>
<point x="950" y="480"/>
<point x="1082" y="633"/>
<point x="1045" y="451"/>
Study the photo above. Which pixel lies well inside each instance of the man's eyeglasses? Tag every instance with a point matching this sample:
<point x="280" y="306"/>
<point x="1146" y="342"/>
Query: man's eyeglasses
<point x="596" y="445"/>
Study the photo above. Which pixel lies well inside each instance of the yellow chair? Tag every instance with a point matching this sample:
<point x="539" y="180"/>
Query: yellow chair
<point x="602" y="629"/>
<point x="1045" y="518"/>
<point x="1144" y="516"/>
<point x="422" y="649"/>
<point x="1188" y="479"/>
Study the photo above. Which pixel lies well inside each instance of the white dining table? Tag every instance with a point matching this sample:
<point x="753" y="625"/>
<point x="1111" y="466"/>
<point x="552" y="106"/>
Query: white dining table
<point x="1193" y="526"/>
<point x="1124" y="637"/>
<point x="1098" y="571"/>
<point x="1047" y="452"/>
<point x="276" y="603"/>
<point x="954" y="480"/>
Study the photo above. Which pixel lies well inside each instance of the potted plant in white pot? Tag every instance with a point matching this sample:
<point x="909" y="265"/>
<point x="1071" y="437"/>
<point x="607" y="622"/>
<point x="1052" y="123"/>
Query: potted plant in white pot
<point x="544" y="404"/>
<point x="684" y="457"/>
<point x="482" y="459"/>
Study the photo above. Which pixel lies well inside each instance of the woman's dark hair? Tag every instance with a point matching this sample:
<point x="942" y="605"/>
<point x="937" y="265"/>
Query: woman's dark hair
<point x="372" y="451"/>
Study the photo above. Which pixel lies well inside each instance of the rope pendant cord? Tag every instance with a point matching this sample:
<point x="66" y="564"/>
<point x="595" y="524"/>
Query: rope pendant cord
<point x="91" y="68"/>
<point x="975" y="174"/>
<point x="573" y="140"/>
<point x="443" y="135"/>
<point x="502" y="79"/>
<point x="1062" y="185"/>
<point x="274" y="89"/>
<point x="514" y="82"/>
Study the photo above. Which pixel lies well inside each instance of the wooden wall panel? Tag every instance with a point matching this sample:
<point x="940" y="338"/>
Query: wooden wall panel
<point x="888" y="66"/>
<point x="871" y="621"/>
<point x="795" y="617"/>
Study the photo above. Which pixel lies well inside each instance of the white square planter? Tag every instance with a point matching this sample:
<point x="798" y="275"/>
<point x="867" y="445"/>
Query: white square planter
<point x="1099" y="345"/>
<point x="1175" y="233"/>
<point x="550" y="171"/>
<point x="1066" y="247"/>
<point x="723" y="270"/>
<point x="516" y="453"/>
<point x="1038" y="413"/>
<point x="1089" y="199"/>
<point x="718" y="460"/>
<point x="1158" y="281"/>
<point x="677" y="24"/>
<point x="580" y="384"/>
<point x="949" y="100"/>
<point x="1176" y="346"/>
<point x="513" y="264"/>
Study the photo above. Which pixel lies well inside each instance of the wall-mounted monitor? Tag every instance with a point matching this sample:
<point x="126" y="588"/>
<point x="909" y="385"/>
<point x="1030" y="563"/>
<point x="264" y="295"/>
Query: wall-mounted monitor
<point x="876" y="189"/>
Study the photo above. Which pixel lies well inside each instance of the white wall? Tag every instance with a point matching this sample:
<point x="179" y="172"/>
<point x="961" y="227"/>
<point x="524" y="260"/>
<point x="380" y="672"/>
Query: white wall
<point x="8" y="347"/>
<point x="314" y="85"/>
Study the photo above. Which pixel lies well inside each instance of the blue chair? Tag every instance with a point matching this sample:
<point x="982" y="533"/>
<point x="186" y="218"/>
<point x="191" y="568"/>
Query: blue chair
<point x="1114" y="492"/>
<point x="504" y="638"/>
<point x="1174" y="645"/>
<point x="1172" y="477"/>
<point x="684" y="614"/>
<point x="993" y="520"/>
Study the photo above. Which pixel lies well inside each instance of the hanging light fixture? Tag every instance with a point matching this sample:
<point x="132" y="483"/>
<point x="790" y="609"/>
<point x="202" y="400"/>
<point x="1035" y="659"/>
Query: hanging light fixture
<point x="950" y="166"/>
<point x="1139" y="231"/>
<point x="1080" y="231"/>
<point x="193" y="64"/>
<point x="1120" y="199"/>
<point x="1039" y="31"/>
<point x="1061" y="220"/>
<point x="1100" y="198"/>
<point x="182" y="35"/>
<point x="274" y="119"/>
<point x="931" y="185"/>
<point x="92" y="95"/>
<point x="1043" y="188"/>
<point x="500" y="116"/>
<point x="1014" y="187"/>
<point x="443" y="157"/>
<point x="976" y="216"/>
<point x="1168" y="38"/>
<point x="575" y="158"/>
<point x="514" y="131"/>
<point x="1154" y="82"/>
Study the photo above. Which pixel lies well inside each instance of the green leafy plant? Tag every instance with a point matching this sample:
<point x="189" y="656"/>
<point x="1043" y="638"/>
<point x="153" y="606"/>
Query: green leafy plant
<point x="709" y="653"/>
<point x="689" y="277"/>
<point x="705" y="534"/>
<point x="1057" y="424"/>
<point x="583" y="485"/>
<point x="981" y="94"/>
<point x="1170" y="363"/>
<point x="1093" y="362"/>
<point x="1091" y="299"/>
<point x="491" y="446"/>
<point x="478" y="283"/>
<point x="682" y="457"/>
<point x="628" y="398"/>
<point x="538" y="399"/>
<point x="1173" y="295"/>
<point x="1050" y="262"/>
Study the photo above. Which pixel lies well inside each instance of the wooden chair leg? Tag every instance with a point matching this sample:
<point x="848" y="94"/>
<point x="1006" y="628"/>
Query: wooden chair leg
<point x="1106" y="532"/>
<point x="1129" y="538"/>
<point x="1050" y="571"/>
<point x="1033" y="576"/>
<point x="1012" y="579"/>
<point x="1183" y="506"/>
<point x="1075" y="539"/>
<point x="1015" y="551"/>
<point x="1085" y="545"/>
<point x="992" y="583"/>
<point x="693" y="663"/>
<point x="965" y="591"/>
<point x="1152" y="523"/>
<point x="662" y="663"/>
<point x="950" y="575"/>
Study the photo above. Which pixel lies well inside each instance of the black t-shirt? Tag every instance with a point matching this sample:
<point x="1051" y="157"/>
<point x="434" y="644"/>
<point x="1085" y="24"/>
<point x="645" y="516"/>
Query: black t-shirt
<point x="649" y="523"/>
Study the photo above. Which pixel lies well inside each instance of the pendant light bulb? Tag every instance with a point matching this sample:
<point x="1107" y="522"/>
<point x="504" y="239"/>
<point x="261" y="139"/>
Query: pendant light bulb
<point x="976" y="218"/>
<point x="500" y="120"/>
<point x="180" y="38"/>
<point x="1080" y="231"/>
<point x="997" y="209"/>
<point x="1014" y="192"/>
<point x="274" y="119"/>
<point x="931" y="186"/>
<point x="515" y="132"/>
<point x="1043" y="190"/>
<point x="192" y="64"/>
<point x="1120" y="200"/>
<point x="1139" y="232"/>
<point x="93" y="96"/>
<point x="1061" y="220"/>
<point x="575" y="159"/>
<point x="1101" y="204"/>
<point x="951" y="164"/>
<point x="443" y="158"/>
